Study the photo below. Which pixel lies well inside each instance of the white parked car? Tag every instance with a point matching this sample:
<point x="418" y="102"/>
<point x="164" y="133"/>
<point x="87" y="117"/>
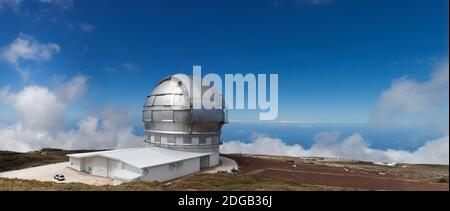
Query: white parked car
<point x="59" y="177"/>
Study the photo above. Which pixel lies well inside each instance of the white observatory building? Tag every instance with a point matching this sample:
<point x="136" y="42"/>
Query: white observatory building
<point x="181" y="139"/>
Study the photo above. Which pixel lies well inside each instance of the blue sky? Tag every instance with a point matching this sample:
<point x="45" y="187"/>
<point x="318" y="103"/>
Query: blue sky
<point x="333" y="57"/>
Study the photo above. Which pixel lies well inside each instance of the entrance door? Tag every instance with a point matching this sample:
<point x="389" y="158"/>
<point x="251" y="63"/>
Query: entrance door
<point x="204" y="162"/>
<point x="112" y="167"/>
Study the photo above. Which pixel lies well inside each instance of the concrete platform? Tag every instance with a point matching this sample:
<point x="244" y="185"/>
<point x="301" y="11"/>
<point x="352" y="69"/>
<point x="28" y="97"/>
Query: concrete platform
<point x="46" y="173"/>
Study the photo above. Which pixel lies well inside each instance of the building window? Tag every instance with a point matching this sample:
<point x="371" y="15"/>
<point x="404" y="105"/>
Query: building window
<point x="163" y="140"/>
<point x="178" y="140"/>
<point x="194" y="140"/>
<point x="171" y="140"/>
<point x="202" y="140"/>
<point x="157" y="139"/>
<point x="187" y="140"/>
<point x="147" y="125"/>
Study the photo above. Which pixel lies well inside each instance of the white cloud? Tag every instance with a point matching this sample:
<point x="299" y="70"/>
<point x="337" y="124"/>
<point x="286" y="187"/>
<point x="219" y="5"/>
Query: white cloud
<point x="262" y="144"/>
<point x="55" y="10"/>
<point x="300" y="3"/>
<point x="111" y="130"/>
<point x="353" y="147"/>
<point x="414" y="101"/>
<point x="434" y="151"/>
<point x="86" y="27"/>
<point x="130" y="67"/>
<point x="37" y="12"/>
<point x="4" y="94"/>
<point x="13" y="4"/>
<point x="314" y="2"/>
<point x="42" y="121"/>
<point x="111" y="69"/>
<point x="60" y="4"/>
<point x="37" y="107"/>
<point x="73" y="89"/>
<point x="125" y="66"/>
<point x="25" y="47"/>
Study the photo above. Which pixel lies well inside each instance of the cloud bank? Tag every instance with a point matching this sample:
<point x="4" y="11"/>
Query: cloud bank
<point x="405" y="101"/>
<point x="329" y="144"/>
<point x="42" y="121"/>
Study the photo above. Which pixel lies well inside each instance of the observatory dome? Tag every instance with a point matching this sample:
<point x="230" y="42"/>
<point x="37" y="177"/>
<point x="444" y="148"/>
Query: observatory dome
<point x="171" y="121"/>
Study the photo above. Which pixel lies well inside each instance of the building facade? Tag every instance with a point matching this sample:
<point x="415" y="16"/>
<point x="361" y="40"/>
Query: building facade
<point x="181" y="140"/>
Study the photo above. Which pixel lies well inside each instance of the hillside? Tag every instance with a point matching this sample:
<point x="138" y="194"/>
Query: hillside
<point x="200" y="182"/>
<point x="257" y="173"/>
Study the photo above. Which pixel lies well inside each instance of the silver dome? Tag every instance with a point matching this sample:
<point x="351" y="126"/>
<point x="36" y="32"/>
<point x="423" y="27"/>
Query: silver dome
<point x="172" y="122"/>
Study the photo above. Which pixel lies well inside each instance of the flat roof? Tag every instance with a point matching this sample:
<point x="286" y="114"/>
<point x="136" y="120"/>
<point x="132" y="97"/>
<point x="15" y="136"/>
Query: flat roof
<point x="90" y="154"/>
<point x="143" y="157"/>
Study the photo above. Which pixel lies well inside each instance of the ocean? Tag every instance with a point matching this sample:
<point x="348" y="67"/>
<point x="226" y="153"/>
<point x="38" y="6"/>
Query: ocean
<point x="399" y="138"/>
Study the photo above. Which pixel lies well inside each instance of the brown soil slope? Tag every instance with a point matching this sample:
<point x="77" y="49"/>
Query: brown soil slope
<point x="328" y="175"/>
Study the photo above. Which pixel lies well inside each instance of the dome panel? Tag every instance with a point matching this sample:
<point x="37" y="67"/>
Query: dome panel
<point x="167" y="87"/>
